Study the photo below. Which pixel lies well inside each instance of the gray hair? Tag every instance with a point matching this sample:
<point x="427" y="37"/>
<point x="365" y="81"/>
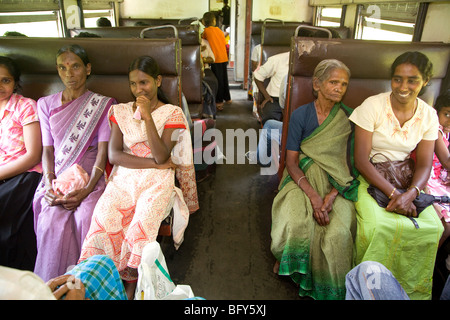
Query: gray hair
<point x="325" y="67"/>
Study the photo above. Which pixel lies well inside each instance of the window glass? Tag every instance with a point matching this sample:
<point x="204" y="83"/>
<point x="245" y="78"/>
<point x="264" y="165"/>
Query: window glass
<point x="329" y="16"/>
<point x="91" y="17"/>
<point x="31" y="24"/>
<point x="387" y="21"/>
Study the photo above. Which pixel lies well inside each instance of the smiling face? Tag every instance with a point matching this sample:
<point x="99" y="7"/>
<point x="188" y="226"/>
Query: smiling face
<point x="406" y="83"/>
<point x="72" y="71"/>
<point x="333" y="88"/>
<point x="7" y="85"/>
<point x="143" y="84"/>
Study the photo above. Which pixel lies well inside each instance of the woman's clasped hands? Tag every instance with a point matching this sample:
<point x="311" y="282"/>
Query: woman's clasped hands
<point x="69" y="201"/>
<point x="322" y="207"/>
<point x="402" y="203"/>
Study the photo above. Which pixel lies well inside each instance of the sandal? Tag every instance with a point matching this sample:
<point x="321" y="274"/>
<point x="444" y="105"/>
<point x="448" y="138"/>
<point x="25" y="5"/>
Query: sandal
<point x="219" y="106"/>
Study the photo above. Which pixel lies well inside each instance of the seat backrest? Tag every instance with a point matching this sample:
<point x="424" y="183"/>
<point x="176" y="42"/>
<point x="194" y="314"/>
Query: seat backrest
<point x="191" y="61"/>
<point x="257" y="33"/>
<point x="131" y="22"/>
<point x="369" y="63"/>
<point x="275" y="39"/>
<point x="110" y="59"/>
<point x="190" y="54"/>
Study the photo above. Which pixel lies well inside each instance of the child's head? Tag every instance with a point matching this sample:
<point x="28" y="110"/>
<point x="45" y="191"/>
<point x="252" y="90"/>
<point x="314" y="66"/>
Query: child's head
<point x="442" y="107"/>
<point x="209" y="19"/>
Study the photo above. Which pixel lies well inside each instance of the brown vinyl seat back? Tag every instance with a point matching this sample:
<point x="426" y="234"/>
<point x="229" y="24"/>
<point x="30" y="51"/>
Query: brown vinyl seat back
<point x="131" y="22"/>
<point x="369" y="63"/>
<point x="256" y="35"/>
<point x="108" y="32"/>
<point x="191" y="61"/>
<point x="189" y="35"/>
<point x="110" y="59"/>
<point x="276" y="39"/>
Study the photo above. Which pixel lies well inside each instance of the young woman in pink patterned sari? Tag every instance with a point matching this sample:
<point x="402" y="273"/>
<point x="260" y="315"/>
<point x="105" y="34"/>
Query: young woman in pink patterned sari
<point x="74" y="130"/>
<point x="148" y="136"/>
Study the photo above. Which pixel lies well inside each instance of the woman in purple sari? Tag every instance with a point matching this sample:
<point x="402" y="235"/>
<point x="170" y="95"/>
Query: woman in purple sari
<point x="75" y="130"/>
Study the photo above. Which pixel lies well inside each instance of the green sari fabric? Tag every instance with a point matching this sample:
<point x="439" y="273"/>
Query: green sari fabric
<point x="318" y="257"/>
<point x="392" y="240"/>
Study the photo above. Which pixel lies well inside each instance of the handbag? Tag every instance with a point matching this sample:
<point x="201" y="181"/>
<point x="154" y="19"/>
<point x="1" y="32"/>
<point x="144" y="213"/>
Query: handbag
<point x="399" y="173"/>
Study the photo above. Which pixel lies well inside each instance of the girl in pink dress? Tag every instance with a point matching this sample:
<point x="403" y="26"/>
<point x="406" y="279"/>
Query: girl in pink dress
<point x="439" y="182"/>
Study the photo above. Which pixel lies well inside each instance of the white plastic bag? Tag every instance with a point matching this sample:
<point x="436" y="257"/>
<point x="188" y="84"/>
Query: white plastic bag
<point x="154" y="282"/>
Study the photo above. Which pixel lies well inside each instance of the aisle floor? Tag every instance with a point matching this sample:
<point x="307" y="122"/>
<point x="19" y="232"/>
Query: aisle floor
<point x="226" y="251"/>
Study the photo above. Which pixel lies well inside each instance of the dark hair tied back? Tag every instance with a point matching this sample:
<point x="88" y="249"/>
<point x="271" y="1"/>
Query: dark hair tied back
<point x="149" y="66"/>
<point x="13" y="70"/>
<point x="417" y="59"/>
<point x="75" y="49"/>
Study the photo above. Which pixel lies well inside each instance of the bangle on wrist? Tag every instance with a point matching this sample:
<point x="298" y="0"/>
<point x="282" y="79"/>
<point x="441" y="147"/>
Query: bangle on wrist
<point x="99" y="168"/>
<point x="392" y="193"/>
<point x="417" y="189"/>
<point x="299" y="179"/>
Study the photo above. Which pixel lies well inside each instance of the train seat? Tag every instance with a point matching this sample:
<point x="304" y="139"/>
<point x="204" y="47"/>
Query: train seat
<point x="191" y="75"/>
<point x="109" y="71"/>
<point x="369" y="63"/>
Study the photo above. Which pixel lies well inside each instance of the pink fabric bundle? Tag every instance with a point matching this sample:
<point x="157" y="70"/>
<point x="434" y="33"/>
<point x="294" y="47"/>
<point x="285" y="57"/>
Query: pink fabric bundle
<point x="72" y="179"/>
<point x="137" y="114"/>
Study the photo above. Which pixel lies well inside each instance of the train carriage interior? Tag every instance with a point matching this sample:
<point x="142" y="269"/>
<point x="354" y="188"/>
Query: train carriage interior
<point x="225" y="252"/>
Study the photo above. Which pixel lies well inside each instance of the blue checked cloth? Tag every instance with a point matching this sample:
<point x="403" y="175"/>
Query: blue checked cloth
<point x="100" y="278"/>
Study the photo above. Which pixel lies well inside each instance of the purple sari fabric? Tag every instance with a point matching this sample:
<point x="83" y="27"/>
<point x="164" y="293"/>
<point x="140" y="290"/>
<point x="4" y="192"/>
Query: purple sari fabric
<point x="74" y="129"/>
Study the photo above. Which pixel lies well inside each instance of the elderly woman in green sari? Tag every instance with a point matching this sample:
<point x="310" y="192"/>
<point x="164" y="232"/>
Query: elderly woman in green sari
<point x="313" y="215"/>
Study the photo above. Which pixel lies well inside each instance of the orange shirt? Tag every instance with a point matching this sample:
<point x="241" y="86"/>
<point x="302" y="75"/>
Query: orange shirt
<point x="216" y="39"/>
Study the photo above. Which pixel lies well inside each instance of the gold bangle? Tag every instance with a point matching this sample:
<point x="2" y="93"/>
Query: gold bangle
<point x="417" y="189"/>
<point x="392" y="193"/>
<point x="99" y="168"/>
<point x="298" y="181"/>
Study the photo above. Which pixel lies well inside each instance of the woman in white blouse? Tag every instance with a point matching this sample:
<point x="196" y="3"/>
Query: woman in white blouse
<point x="395" y="124"/>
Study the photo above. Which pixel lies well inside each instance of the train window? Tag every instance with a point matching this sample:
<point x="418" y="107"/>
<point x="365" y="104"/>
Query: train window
<point x="91" y="17"/>
<point x="328" y="16"/>
<point x="387" y="21"/>
<point x="31" y="24"/>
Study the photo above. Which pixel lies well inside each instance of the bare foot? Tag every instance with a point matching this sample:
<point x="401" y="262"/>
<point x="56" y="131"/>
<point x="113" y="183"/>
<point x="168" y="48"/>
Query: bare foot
<point x="276" y="267"/>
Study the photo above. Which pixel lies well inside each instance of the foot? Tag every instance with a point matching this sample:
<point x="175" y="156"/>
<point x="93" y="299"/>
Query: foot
<point x="219" y="106"/>
<point x="229" y="101"/>
<point x="276" y="267"/>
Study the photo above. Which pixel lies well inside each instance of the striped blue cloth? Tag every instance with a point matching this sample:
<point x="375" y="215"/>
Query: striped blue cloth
<point x="100" y="278"/>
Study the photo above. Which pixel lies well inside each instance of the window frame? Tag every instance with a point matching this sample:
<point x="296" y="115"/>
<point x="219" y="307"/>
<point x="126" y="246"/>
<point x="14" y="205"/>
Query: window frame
<point x="397" y="24"/>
